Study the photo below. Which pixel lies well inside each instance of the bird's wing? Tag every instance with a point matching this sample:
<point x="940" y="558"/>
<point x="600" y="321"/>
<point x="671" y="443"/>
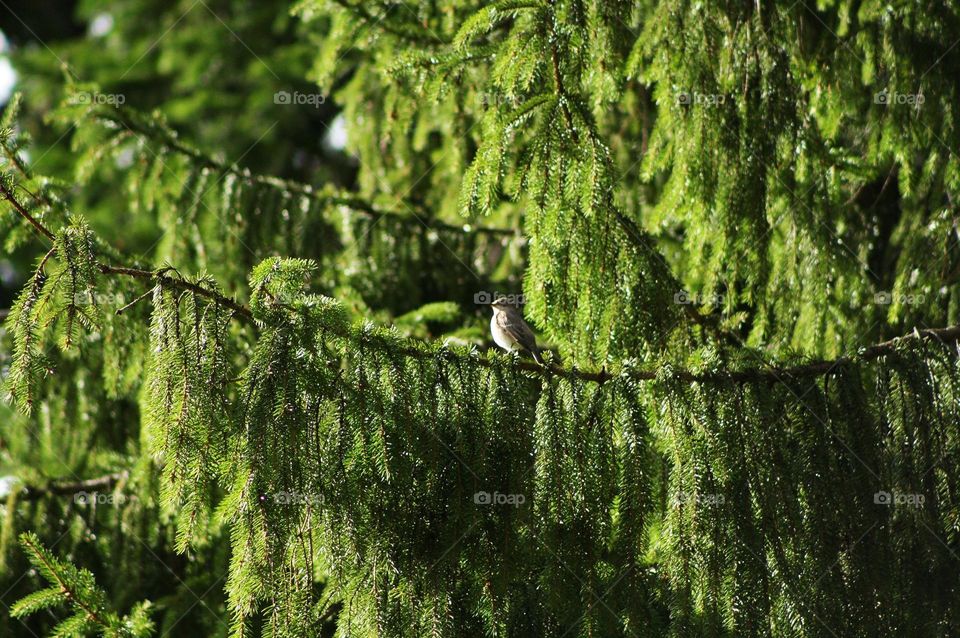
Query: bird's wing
<point x="514" y="325"/>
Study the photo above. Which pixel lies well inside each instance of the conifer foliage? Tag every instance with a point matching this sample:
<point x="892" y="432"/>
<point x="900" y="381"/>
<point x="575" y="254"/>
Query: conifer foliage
<point x="256" y="397"/>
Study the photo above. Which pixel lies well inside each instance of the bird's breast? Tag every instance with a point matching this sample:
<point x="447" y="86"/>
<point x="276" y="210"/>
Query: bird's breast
<point x="500" y="336"/>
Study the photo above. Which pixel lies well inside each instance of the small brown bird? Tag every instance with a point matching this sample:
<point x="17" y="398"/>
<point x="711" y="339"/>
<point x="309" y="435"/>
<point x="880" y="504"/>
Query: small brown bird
<point x="510" y="331"/>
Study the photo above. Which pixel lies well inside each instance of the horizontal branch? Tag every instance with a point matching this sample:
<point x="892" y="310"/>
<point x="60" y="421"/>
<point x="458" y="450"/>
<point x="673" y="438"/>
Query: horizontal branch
<point x="159" y="275"/>
<point x="419" y="349"/>
<point x="180" y="284"/>
<point x="338" y="198"/>
<point x="69" y="488"/>
<point x="768" y="374"/>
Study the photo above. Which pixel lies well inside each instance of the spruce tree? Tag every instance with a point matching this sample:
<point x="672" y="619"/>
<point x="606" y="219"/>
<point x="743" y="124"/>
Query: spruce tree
<point x="250" y="385"/>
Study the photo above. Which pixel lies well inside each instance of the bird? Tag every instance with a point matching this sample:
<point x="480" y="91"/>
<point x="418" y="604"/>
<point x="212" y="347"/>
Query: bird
<point x="510" y="331"/>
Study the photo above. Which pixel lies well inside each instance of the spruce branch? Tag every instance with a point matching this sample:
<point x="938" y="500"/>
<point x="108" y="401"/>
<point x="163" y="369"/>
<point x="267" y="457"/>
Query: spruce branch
<point x="557" y="74"/>
<point x="159" y="276"/>
<point x="329" y="196"/>
<point x="11" y="146"/>
<point x="55" y="573"/>
<point x="23" y="212"/>
<point x="405" y="30"/>
<point x="422" y="349"/>
<point x="178" y="283"/>
<point x="709" y="322"/>
<point x="78" y="588"/>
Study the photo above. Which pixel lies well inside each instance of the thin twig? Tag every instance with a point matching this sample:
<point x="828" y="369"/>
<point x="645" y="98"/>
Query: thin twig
<point x="8" y="195"/>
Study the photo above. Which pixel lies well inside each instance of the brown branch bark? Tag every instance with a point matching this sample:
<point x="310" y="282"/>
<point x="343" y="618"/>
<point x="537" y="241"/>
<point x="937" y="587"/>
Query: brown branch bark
<point x="69" y="488"/>
<point x="23" y="212"/>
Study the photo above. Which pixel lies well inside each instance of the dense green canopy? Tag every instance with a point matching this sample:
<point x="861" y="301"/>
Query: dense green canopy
<point x="251" y="390"/>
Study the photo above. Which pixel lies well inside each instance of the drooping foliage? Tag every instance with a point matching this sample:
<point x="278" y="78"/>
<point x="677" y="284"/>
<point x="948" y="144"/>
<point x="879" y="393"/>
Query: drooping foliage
<point x="252" y="387"/>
